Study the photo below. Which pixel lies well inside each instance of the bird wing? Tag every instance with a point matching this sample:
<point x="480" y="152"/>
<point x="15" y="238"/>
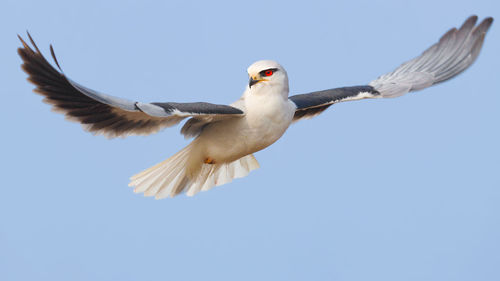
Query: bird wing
<point x="105" y="114"/>
<point x="312" y="104"/>
<point x="451" y="55"/>
<point x="194" y="126"/>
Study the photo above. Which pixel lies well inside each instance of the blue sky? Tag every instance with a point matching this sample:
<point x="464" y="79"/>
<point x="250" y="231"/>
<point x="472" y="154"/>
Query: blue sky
<point x="396" y="189"/>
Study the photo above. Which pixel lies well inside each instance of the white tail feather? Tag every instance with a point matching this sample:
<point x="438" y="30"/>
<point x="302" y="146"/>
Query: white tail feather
<point x="176" y="175"/>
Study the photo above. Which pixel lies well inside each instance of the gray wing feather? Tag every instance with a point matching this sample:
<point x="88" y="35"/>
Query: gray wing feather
<point x="124" y="104"/>
<point x="104" y="114"/>
<point x="456" y="51"/>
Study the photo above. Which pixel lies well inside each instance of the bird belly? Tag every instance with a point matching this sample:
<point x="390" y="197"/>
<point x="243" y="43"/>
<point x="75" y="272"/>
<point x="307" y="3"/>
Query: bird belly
<point x="228" y="140"/>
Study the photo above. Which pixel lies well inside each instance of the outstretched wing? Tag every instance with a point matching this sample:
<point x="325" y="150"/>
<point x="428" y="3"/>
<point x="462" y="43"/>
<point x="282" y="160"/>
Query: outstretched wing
<point x="312" y="104"/>
<point x="456" y="51"/>
<point x="104" y="114"/>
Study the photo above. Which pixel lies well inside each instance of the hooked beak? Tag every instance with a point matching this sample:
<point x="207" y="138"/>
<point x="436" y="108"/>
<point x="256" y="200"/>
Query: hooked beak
<point x="254" y="81"/>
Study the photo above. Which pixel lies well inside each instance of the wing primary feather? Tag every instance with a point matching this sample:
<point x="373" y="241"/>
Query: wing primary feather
<point x="33" y="42"/>
<point x="104" y="114"/>
<point x="455" y="51"/>
<point x="54" y="57"/>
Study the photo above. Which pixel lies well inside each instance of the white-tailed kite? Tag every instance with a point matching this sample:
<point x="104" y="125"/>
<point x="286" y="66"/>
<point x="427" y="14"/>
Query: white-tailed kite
<point x="225" y="136"/>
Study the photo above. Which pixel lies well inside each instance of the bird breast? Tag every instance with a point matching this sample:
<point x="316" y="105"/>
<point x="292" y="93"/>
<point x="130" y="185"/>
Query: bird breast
<point x="265" y="121"/>
<point x="267" y="117"/>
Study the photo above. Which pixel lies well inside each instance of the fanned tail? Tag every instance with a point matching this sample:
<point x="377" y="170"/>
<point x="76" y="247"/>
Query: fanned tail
<point x="163" y="178"/>
<point x="176" y="175"/>
<point x="211" y="175"/>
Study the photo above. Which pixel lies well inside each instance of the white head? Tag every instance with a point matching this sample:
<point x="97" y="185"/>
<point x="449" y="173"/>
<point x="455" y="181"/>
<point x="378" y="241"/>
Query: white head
<point x="267" y="75"/>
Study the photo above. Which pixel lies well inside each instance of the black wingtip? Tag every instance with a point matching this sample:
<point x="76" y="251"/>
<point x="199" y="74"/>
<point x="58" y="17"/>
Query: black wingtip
<point x="54" y="57"/>
<point x="469" y="22"/>
<point x="25" y="45"/>
<point x="484" y="26"/>
<point x="28" y="48"/>
<point x="472" y="18"/>
<point x="33" y="42"/>
<point x="487" y="22"/>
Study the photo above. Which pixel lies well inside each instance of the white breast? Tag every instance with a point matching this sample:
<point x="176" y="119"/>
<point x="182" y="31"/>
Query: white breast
<point x="267" y="116"/>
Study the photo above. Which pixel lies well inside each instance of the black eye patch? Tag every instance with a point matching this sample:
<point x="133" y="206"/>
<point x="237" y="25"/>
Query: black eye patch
<point x="268" y="72"/>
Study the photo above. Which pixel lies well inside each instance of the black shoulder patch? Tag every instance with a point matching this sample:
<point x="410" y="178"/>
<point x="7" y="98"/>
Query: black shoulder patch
<point x="330" y="96"/>
<point x="312" y="104"/>
<point x="198" y="108"/>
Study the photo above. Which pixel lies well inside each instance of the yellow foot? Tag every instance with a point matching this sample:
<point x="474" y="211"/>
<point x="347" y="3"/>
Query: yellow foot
<point x="209" y="160"/>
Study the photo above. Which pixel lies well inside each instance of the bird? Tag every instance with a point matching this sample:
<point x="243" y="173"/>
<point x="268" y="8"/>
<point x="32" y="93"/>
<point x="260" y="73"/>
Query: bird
<point x="226" y="136"/>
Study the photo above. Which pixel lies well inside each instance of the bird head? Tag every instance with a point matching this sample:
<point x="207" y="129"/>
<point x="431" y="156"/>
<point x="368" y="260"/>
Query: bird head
<point x="267" y="74"/>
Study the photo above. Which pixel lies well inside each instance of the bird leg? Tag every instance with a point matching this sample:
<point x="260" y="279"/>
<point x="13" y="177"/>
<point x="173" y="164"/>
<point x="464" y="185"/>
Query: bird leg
<point x="209" y="160"/>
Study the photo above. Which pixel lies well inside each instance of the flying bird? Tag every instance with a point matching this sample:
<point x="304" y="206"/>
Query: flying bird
<point x="226" y="136"/>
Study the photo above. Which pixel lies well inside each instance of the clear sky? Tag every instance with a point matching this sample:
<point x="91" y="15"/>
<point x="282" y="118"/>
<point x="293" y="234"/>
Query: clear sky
<point x="395" y="189"/>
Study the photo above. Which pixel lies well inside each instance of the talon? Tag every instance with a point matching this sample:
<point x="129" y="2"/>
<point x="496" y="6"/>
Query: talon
<point x="209" y="160"/>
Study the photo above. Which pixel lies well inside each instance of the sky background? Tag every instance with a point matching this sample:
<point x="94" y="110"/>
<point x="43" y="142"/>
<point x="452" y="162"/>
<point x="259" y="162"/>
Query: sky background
<point x="394" y="189"/>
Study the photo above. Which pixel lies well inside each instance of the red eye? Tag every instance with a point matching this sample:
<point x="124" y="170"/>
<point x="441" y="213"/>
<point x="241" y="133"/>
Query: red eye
<point x="268" y="72"/>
